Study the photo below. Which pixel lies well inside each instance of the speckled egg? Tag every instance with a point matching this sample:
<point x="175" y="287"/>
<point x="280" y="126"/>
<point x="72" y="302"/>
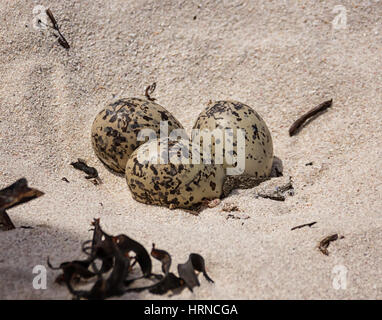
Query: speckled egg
<point x="115" y="129"/>
<point x="258" y="141"/>
<point x="176" y="184"/>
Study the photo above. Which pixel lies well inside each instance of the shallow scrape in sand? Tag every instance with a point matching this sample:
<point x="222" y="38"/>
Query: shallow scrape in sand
<point x="282" y="58"/>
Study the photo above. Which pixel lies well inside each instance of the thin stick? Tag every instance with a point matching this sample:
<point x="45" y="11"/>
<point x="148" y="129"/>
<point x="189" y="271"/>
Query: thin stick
<point x="324" y="243"/>
<point x="272" y="197"/>
<point x="299" y="122"/>
<point x="150" y="90"/>
<point x="304" y="225"/>
<point x="51" y="17"/>
<point x="61" y="39"/>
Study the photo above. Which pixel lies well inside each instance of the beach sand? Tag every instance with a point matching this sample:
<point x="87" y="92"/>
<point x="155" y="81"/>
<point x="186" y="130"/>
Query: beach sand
<point x="280" y="57"/>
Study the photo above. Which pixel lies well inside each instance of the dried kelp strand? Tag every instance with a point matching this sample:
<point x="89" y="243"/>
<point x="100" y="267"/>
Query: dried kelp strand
<point x="90" y="171"/>
<point x="127" y="244"/>
<point x="162" y="256"/>
<point x="18" y="193"/>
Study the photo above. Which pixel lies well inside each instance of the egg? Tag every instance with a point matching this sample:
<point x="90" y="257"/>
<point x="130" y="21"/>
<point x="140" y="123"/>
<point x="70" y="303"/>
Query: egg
<point x="115" y="129"/>
<point x="171" y="179"/>
<point x="257" y="149"/>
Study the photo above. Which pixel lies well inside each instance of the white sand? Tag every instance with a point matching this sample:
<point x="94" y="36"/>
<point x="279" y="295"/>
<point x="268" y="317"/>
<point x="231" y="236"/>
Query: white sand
<point x="280" y="57"/>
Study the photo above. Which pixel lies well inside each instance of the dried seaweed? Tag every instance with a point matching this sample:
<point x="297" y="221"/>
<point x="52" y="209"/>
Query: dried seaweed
<point x="324" y="243"/>
<point x="72" y="270"/>
<point x="17" y="193"/>
<point x="164" y="257"/>
<point x="127" y="244"/>
<point x="169" y="283"/>
<point x="187" y="270"/>
<point x="100" y="249"/>
<point x="91" y="172"/>
<point x="113" y="252"/>
<point x="14" y="195"/>
<point x="6" y="223"/>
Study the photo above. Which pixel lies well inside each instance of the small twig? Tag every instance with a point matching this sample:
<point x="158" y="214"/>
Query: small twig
<point x="304" y="225"/>
<point x="298" y="123"/>
<point x="51" y="17"/>
<point x="272" y="197"/>
<point x="61" y="39"/>
<point x="285" y="187"/>
<point x="26" y="227"/>
<point x="235" y="217"/>
<point x="150" y="90"/>
<point x="324" y="243"/>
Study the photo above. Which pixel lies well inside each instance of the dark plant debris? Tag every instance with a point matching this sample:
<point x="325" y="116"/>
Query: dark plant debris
<point x="61" y="39"/>
<point x="91" y="172"/>
<point x="17" y="193"/>
<point x="230" y="207"/>
<point x="6" y="223"/>
<point x="279" y="193"/>
<point x="14" y="195"/>
<point x="26" y="227"/>
<point x="304" y="225"/>
<point x="186" y="270"/>
<point x="110" y="265"/>
<point x="276" y="197"/>
<point x="150" y="90"/>
<point x="64" y="179"/>
<point x="309" y="163"/>
<point x="237" y="217"/>
<point x="300" y="121"/>
<point x="324" y="243"/>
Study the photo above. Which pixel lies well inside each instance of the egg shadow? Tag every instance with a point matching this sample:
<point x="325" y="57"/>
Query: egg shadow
<point x="277" y="168"/>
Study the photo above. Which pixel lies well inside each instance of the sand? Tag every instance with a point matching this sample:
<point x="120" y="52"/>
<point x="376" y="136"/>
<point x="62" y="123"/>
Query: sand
<point x="280" y="57"/>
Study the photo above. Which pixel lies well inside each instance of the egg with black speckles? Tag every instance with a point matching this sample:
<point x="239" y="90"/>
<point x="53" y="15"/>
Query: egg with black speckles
<point x="258" y="146"/>
<point x="115" y="129"/>
<point x="171" y="178"/>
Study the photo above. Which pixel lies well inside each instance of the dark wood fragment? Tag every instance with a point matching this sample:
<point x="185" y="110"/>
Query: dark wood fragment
<point x="61" y="39"/>
<point x="6" y="223"/>
<point x="300" y="121"/>
<point x="304" y="225"/>
<point x="150" y="90"/>
<point x="324" y="243"/>
<point x="276" y="197"/>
